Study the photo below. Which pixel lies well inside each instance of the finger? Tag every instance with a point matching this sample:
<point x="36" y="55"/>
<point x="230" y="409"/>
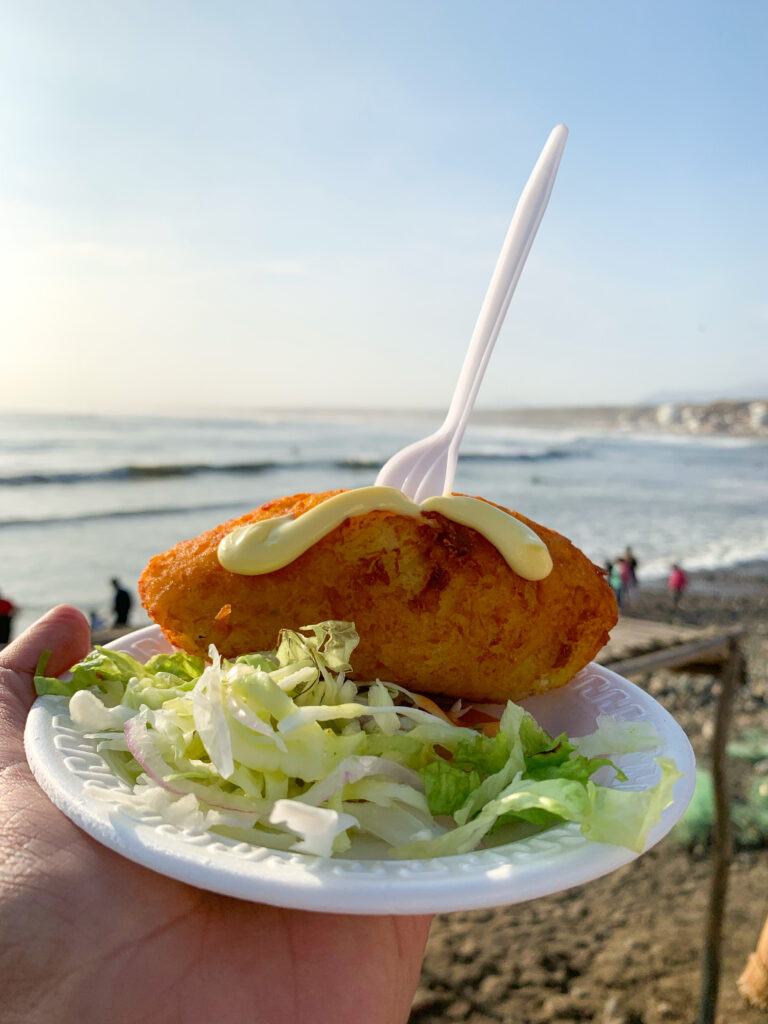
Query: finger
<point x="63" y="631"/>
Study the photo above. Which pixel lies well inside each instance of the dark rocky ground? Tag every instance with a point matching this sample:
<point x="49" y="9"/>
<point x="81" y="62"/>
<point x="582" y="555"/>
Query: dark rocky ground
<point x="627" y="948"/>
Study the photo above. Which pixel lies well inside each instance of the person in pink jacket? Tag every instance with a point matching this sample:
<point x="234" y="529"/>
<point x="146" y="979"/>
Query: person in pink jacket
<point x="677" y="583"/>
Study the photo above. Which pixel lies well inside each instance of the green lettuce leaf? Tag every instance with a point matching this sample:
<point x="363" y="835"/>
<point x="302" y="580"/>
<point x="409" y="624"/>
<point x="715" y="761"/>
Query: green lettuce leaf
<point x="108" y="671"/>
<point x="448" y="786"/>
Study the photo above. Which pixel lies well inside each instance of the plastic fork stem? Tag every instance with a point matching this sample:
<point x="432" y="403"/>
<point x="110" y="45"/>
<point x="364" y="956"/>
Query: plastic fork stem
<point x="514" y="252"/>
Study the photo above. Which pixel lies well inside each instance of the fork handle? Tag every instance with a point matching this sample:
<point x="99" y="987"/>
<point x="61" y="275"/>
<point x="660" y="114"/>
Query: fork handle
<point x="522" y="231"/>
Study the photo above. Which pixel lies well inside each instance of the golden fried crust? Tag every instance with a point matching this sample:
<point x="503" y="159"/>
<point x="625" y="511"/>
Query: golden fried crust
<point x="436" y="606"/>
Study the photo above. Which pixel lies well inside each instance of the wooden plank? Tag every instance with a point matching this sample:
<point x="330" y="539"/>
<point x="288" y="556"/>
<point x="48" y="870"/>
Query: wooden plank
<point x="709" y="650"/>
<point x="633" y="637"/>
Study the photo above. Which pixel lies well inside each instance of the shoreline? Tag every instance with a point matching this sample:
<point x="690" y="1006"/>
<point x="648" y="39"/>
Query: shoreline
<point x="724" y="596"/>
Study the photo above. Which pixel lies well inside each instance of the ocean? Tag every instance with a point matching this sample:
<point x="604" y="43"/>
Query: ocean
<point x="87" y="498"/>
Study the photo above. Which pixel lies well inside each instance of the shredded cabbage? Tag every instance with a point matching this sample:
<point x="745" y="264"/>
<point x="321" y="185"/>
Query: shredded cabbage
<point x="282" y="750"/>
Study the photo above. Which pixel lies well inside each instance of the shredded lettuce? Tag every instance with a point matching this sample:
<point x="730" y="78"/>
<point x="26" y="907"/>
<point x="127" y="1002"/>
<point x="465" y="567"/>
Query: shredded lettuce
<point x="281" y="749"/>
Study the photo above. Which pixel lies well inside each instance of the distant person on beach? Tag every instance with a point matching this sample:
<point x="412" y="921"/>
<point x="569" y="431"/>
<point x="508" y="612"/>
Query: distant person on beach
<point x="80" y="924"/>
<point x="95" y="620"/>
<point x="626" y="574"/>
<point x="7" y="610"/>
<point x="614" y="579"/>
<point x="677" y="582"/>
<point x="122" y="604"/>
<point x="631" y="564"/>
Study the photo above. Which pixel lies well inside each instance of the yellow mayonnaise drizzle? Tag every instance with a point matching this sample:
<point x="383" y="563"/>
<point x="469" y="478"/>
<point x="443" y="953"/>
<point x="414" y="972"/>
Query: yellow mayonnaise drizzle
<point x="273" y="543"/>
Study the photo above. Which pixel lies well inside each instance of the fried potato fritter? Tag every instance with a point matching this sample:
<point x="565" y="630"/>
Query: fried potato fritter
<point x="435" y="605"/>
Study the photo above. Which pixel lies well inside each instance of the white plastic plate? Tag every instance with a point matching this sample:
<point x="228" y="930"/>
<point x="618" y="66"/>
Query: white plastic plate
<point x="364" y="882"/>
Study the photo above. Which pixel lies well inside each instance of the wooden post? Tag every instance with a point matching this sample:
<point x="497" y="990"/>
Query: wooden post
<point x="722" y="842"/>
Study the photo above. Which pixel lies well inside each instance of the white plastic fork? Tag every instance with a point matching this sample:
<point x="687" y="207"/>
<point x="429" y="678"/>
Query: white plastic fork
<point x="427" y="467"/>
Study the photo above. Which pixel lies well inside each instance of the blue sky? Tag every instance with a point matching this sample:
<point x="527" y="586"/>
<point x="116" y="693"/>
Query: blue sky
<point x="238" y="205"/>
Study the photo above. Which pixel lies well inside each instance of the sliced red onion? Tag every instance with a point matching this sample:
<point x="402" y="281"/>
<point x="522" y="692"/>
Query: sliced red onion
<point x="143" y="749"/>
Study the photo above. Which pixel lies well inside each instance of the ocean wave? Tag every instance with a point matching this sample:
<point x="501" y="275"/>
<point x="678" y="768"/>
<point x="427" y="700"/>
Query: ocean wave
<point x="717" y="554"/>
<point x="543" y="455"/>
<point x="123" y="513"/>
<point x="127" y="473"/>
<point x="717" y="441"/>
<point x="164" y="471"/>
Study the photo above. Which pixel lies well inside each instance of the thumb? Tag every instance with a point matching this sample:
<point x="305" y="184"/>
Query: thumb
<point x="64" y="632"/>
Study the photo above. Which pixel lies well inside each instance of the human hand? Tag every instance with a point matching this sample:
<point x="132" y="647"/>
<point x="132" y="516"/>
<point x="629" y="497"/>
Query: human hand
<point x="88" y="936"/>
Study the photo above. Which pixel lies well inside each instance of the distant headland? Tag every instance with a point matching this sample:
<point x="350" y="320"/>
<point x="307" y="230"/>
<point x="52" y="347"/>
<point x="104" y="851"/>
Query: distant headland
<point x="730" y="418"/>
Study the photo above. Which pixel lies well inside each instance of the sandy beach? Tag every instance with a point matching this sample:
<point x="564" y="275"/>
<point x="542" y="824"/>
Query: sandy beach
<point x="625" y="949"/>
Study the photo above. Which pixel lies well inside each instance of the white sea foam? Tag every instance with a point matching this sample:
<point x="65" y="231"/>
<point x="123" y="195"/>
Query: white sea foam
<point x="716" y="555"/>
